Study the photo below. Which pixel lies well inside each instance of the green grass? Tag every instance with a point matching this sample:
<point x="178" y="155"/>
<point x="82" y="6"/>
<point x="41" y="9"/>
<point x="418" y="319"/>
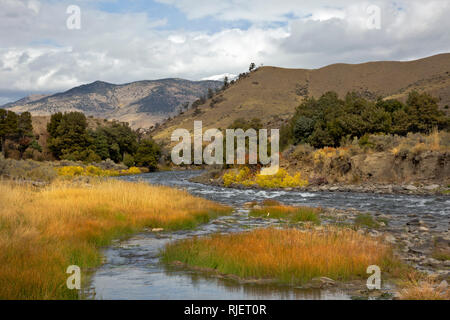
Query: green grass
<point x="366" y="220"/>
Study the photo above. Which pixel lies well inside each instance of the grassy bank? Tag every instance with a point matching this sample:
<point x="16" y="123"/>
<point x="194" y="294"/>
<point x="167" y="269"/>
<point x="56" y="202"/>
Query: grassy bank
<point x="44" y="231"/>
<point x="289" y="256"/>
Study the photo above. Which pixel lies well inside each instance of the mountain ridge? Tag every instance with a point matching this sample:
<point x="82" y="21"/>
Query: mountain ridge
<point x="141" y="103"/>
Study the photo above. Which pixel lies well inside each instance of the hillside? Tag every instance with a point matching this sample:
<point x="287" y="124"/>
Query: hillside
<point x="272" y="94"/>
<point x="141" y="103"/>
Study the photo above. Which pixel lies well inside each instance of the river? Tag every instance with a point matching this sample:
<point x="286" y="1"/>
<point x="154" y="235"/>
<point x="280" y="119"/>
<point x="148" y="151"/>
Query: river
<point x="131" y="268"/>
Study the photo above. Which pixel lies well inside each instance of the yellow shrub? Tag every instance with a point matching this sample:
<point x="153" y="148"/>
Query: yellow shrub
<point x="322" y="154"/>
<point x="281" y="179"/>
<point x="243" y="174"/>
<point x="70" y="171"/>
<point x="133" y="170"/>
<point x="229" y="178"/>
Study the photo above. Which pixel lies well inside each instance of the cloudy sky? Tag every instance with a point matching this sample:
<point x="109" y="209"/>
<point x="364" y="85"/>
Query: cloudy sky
<point x="122" y="41"/>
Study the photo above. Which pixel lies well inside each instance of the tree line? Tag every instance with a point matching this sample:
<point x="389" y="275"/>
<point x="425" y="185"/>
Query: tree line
<point x="72" y="139"/>
<point x="328" y="120"/>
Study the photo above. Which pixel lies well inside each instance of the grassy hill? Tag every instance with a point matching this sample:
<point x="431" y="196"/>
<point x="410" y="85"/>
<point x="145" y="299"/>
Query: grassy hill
<point x="272" y="94"/>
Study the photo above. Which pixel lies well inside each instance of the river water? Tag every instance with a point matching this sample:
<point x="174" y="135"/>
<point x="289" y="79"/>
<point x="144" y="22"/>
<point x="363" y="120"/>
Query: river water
<point x="132" y="270"/>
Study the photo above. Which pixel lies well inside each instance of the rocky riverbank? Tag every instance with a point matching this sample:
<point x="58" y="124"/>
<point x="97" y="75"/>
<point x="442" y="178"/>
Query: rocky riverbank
<point x="419" y="244"/>
<point x="214" y="177"/>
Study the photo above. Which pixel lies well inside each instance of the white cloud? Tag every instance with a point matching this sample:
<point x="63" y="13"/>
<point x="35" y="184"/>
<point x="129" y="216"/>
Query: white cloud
<point x="38" y="52"/>
<point x="221" y="77"/>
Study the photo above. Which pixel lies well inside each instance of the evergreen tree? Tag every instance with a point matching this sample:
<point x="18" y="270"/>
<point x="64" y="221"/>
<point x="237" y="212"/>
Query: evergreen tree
<point x="8" y="127"/>
<point x="148" y="154"/>
<point x="69" y="138"/>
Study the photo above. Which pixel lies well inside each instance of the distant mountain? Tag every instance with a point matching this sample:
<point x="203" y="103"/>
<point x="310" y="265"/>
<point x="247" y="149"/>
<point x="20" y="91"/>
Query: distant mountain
<point x="141" y="103"/>
<point x="272" y="94"/>
<point x="25" y="100"/>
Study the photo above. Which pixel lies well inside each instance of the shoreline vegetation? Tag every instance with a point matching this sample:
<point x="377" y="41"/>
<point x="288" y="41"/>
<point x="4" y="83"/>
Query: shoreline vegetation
<point x="289" y="256"/>
<point x="45" y="230"/>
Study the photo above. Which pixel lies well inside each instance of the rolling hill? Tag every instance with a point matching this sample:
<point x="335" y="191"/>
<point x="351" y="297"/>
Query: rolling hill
<point x="142" y="103"/>
<point x="272" y="94"/>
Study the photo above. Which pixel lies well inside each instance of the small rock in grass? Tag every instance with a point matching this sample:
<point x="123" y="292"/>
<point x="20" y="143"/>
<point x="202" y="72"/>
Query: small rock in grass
<point x="390" y="238"/>
<point x="157" y="229"/>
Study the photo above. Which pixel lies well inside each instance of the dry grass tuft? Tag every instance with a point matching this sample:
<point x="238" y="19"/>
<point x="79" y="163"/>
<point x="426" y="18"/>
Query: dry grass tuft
<point x="274" y="210"/>
<point x="44" y="231"/>
<point x="420" y="288"/>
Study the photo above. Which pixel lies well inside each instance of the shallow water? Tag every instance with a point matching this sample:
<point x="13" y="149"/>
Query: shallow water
<point x="132" y="269"/>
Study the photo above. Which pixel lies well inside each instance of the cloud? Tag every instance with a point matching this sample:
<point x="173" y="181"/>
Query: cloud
<point x="39" y="54"/>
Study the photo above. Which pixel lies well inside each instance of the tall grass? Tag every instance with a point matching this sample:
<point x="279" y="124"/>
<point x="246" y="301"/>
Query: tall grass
<point x="294" y="214"/>
<point x="289" y="256"/>
<point x="42" y="232"/>
<point x="423" y="288"/>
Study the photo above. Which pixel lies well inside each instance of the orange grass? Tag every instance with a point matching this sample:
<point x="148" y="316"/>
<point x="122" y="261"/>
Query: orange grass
<point x="289" y="256"/>
<point x="44" y="231"/>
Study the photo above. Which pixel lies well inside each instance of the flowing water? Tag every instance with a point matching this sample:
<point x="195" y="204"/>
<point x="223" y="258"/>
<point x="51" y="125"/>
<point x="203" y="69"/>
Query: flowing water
<point x="132" y="269"/>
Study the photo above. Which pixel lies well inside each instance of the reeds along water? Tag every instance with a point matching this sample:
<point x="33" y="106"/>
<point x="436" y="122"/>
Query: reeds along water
<point x="290" y="255"/>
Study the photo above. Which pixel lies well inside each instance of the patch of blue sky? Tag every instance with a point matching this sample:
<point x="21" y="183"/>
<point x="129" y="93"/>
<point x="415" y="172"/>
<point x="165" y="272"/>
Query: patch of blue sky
<point x="176" y="20"/>
<point x="45" y="43"/>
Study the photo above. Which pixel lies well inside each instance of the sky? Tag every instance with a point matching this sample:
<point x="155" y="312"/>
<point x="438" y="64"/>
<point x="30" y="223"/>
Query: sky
<point x="47" y="47"/>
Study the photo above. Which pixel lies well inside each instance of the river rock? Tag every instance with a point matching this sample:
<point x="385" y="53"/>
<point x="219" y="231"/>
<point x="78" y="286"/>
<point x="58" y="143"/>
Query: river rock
<point x="390" y="238"/>
<point x="321" y="282"/>
<point x="415" y="222"/>
<point x="424" y="229"/>
<point x="431" y="262"/>
<point x="374" y="233"/>
<point x="157" y="229"/>
<point x="410" y="188"/>
<point x="432" y="187"/>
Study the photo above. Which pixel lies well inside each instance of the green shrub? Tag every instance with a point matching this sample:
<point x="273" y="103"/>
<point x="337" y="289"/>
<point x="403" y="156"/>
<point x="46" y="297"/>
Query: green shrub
<point x="128" y="160"/>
